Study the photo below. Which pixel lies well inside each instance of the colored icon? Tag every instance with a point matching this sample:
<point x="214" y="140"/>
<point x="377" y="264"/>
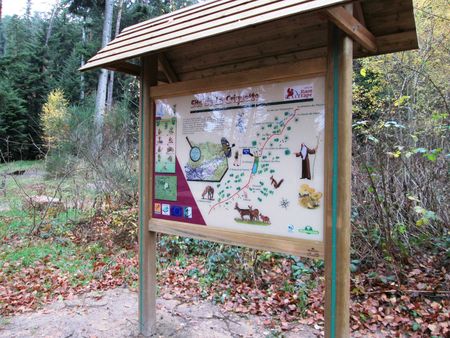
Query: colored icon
<point x="166" y="209"/>
<point x="176" y="211"/>
<point x="188" y="212"/>
<point x="157" y="208"/>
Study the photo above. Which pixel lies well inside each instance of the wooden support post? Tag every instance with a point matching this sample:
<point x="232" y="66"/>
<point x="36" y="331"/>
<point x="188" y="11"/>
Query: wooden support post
<point x="147" y="239"/>
<point x="338" y="172"/>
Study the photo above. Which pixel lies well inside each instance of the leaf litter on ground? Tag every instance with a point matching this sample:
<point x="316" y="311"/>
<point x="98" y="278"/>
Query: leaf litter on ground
<point x="414" y="302"/>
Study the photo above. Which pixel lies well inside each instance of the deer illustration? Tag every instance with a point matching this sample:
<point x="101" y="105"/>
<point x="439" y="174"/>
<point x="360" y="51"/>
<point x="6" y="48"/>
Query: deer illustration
<point x="275" y="184"/>
<point x="254" y="213"/>
<point x="243" y="212"/>
<point x="170" y="150"/>
<point x="209" y="192"/>
<point x="264" y="219"/>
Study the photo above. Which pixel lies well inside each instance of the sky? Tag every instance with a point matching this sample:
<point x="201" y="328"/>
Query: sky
<point x="11" y="7"/>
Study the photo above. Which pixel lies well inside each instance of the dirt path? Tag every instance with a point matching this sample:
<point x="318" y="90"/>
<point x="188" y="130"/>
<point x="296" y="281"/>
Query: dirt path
<point x="113" y="313"/>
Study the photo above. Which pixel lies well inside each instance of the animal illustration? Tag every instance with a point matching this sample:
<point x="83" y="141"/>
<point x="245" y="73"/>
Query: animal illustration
<point x="170" y="150"/>
<point x="243" y="212"/>
<point x="208" y="192"/>
<point x="170" y="139"/>
<point x="160" y="140"/>
<point x="159" y="149"/>
<point x="264" y="219"/>
<point x="170" y="159"/>
<point x="254" y="213"/>
<point x="290" y="93"/>
<point x="275" y="184"/>
<point x="159" y="131"/>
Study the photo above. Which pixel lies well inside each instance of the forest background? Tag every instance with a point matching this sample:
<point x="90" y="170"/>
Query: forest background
<point x="50" y="119"/>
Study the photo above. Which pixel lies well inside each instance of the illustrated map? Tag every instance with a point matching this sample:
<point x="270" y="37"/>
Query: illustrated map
<point x="249" y="159"/>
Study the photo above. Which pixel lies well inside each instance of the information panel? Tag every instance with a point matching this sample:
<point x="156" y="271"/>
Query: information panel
<point x="248" y="159"/>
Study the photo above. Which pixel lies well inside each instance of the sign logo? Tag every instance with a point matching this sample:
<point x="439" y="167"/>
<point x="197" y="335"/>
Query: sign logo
<point x="157" y="208"/>
<point x="166" y="209"/>
<point x="308" y="230"/>
<point x="187" y="212"/>
<point x="299" y="93"/>
<point x="176" y="211"/>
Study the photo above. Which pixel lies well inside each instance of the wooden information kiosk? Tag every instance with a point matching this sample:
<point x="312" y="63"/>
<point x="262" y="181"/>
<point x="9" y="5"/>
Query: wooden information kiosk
<point x="246" y="127"/>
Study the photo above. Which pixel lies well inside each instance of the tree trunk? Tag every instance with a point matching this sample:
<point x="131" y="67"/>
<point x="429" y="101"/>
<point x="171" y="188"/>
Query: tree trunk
<point x="103" y="77"/>
<point x="1" y="29"/>
<point x="50" y="24"/>
<point x="28" y="9"/>
<point x="82" y="62"/>
<point x="109" y="100"/>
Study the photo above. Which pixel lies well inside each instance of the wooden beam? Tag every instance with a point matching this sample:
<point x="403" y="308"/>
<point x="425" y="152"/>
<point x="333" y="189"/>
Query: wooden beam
<point x="352" y="27"/>
<point x="337" y="184"/>
<point x="147" y="239"/>
<point x="293" y="246"/>
<point x="167" y="69"/>
<point x="125" y="67"/>
<point x="359" y="13"/>
<point x="277" y="73"/>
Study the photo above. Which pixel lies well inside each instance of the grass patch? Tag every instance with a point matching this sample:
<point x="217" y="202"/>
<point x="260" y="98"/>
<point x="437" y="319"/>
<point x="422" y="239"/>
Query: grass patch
<point x="245" y="221"/>
<point x="9" y="167"/>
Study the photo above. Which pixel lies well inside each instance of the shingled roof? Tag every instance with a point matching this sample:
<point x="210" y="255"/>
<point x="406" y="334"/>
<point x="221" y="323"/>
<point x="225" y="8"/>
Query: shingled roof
<point x="219" y="33"/>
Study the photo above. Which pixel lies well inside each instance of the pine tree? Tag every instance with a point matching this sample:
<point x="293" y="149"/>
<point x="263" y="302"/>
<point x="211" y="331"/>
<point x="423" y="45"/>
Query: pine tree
<point x="12" y="122"/>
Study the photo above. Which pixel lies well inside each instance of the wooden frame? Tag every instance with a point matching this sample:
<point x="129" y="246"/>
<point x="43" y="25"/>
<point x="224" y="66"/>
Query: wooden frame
<point x="306" y="248"/>
<point x="300" y="70"/>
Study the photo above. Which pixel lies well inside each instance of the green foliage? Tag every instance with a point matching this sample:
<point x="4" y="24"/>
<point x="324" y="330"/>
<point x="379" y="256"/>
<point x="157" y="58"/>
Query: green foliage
<point x="12" y="122"/>
<point x="400" y="148"/>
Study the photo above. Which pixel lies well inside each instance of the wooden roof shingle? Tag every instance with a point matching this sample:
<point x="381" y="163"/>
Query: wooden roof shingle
<point x="300" y="26"/>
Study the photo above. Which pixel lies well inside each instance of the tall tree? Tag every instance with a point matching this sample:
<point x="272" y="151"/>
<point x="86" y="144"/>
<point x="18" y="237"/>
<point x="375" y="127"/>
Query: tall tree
<point x="1" y="29"/>
<point x="100" y="102"/>
<point x="109" y="100"/>
<point x="28" y="9"/>
<point x="82" y="61"/>
<point x="13" y="122"/>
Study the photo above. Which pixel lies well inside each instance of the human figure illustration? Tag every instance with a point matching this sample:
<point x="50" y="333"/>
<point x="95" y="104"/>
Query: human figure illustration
<point x="226" y="147"/>
<point x="303" y="154"/>
<point x="236" y="159"/>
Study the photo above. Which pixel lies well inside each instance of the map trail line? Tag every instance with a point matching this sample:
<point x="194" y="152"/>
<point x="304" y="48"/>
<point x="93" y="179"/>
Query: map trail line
<point x="251" y="175"/>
